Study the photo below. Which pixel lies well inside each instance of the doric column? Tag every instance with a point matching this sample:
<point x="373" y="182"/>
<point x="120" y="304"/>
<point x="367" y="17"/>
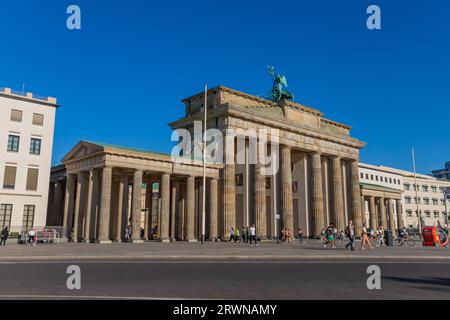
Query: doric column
<point x="399" y="214"/>
<point x="213" y="209"/>
<point x="383" y="213"/>
<point x="69" y="204"/>
<point x="80" y="203"/>
<point x="91" y="205"/>
<point x="137" y="207"/>
<point x="286" y="180"/>
<point x="190" y="209"/>
<point x="148" y="206"/>
<point x="174" y="208"/>
<point x="356" y="197"/>
<point x="391" y="216"/>
<point x="229" y="187"/>
<point x="121" y="207"/>
<point x="259" y="192"/>
<point x="317" y="204"/>
<point x="338" y="198"/>
<point x="373" y="213"/>
<point x="105" y="211"/>
<point x="165" y="207"/>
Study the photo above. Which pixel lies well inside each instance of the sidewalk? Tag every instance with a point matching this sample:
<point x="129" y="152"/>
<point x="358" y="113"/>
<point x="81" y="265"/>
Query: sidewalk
<point x="154" y="251"/>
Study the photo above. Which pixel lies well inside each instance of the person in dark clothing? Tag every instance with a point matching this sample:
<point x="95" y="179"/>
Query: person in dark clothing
<point x="4" y="236"/>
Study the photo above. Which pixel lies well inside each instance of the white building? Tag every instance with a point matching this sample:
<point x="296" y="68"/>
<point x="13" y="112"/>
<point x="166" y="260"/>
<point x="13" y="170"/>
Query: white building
<point x="431" y="202"/>
<point x="26" y="140"/>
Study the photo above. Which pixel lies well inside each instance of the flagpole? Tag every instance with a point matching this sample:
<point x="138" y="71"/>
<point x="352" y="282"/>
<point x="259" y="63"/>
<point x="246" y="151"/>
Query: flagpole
<point x="419" y="216"/>
<point x="205" y="108"/>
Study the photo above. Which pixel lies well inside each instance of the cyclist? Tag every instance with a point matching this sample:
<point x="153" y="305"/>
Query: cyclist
<point x="404" y="233"/>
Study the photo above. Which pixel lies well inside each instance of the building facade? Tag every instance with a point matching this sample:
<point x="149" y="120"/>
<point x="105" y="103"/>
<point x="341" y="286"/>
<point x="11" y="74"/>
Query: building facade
<point x="26" y="130"/>
<point x="442" y="173"/>
<point x="317" y="181"/>
<point x="415" y="195"/>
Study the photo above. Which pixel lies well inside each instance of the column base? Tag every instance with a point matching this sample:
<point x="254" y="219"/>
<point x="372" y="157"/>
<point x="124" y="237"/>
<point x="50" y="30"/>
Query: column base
<point x="165" y="240"/>
<point x="104" y="242"/>
<point x="137" y="241"/>
<point x="191" y="240"/>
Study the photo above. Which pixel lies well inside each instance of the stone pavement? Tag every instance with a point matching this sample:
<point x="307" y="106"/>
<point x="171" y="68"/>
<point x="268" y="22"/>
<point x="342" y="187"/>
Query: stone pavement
<point x="312" y="249"/>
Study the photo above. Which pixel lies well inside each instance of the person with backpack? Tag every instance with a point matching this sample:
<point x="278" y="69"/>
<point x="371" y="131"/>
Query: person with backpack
<point x="350" y="234"/>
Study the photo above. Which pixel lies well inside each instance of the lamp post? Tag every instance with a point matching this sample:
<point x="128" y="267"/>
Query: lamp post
<point x="446" y="192"/>
<point x="205" y="108"/>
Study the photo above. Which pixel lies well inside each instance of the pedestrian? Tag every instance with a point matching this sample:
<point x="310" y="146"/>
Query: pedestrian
<point x="243" y="234"/>
<point x="350" y="233"/>
<point x="365" y="238"/>
<point x="237" y="235"/>
<point x="4" y="236"/>
<point x="341" y="236"/>
<point x="31" y="237"/>
<point x="253" y="235"/>
<point x="247" y="234"/>
<point x="323" y="237"/>
<point x="232" y="235"/>
<point x="300" y="236"/>
<point x="128" y="233"/>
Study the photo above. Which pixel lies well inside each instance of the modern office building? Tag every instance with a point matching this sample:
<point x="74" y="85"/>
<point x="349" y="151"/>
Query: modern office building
<point x="26" y="140"/>
<point x="442" y="173"/>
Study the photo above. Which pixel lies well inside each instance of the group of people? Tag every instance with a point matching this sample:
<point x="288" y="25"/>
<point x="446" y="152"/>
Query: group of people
<point x="248" y="235"/>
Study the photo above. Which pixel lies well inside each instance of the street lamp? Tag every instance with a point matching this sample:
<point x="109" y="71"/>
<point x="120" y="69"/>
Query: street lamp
<point x="446" y="191"/>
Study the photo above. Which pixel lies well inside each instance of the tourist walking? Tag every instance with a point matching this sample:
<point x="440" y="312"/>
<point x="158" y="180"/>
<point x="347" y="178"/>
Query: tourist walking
<point x="341" y="236"/>
<point x="244" y="236"/>
<point x="253" y="235"/>
<point x="4" y="236"/>
<point x="128" y="233"/>
<point x="237" y="235"/>
<point x="232" y="238"/>
<point x="365" y="238"/>
<point x="350" y="233"/>
<point x="300" y="238"/>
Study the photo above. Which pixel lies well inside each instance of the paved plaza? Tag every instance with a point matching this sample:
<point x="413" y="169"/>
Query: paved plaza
<point x="154" y="251"/>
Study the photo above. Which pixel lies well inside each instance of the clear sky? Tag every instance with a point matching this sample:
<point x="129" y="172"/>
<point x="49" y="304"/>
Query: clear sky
<point x="121" y="78"/>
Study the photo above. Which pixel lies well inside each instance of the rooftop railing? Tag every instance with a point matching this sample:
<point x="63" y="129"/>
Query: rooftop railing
<point x="27" y="95"/>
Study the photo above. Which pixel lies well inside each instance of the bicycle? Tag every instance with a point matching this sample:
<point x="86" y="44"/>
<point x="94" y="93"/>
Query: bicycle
<point x="409" y="241"/>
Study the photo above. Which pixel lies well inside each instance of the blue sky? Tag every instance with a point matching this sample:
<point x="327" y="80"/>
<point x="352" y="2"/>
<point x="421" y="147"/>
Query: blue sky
<point x="122" y="77"/>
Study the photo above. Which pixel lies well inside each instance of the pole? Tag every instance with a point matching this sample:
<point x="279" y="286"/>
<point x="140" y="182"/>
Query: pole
<point x="446" y="193"/>
<point x="205" y="108"/>
<point x="419" y="216"/>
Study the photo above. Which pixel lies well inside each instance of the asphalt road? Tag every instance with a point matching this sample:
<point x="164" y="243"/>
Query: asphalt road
<point x="224" y="280"/>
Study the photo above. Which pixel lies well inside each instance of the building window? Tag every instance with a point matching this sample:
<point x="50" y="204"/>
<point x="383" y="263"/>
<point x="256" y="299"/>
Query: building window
<point x="371" y="177"/>
<point x="28" y="217"/>
<point x="433" y="189"/>
<point x="35" y="146"/>
<point x="376" y="178"/>
<point x="407" y="186"/>
<point x="295" y="186"/>
<point x="409" y="213"/>
<point x="390" y="180"/>
<point x="13" y="143"/>
<point x="38" y="119"/>
<point x="9" y="177"/>
<point x="362" y="175"/>
<point x="367" y="176"/>
<point x="425" y="188"/>
<point x="32" y="179"/>
<point x="5" y="215"/>
<point x="428" y="214"/>
<point x="436" y="214"/>
<point x="416" y="201"/>
<point x="239" y="180"/>
<point x="435" y="202"/>
<point x="426" y="201"/>
<point x="16" y="115"/>
<point x="408" y="199"/>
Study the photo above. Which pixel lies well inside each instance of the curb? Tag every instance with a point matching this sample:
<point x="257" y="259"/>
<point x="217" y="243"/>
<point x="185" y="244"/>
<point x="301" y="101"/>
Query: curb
<point x="221" y="258"/>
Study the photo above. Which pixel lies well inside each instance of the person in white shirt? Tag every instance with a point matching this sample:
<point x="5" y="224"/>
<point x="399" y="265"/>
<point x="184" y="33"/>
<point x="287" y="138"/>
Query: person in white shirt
<point x="31" y="237"/>
<point x="252" y="235"/>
